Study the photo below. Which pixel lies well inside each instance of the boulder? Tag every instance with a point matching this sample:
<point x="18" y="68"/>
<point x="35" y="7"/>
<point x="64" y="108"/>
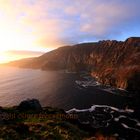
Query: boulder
<point x="30" y="104"/>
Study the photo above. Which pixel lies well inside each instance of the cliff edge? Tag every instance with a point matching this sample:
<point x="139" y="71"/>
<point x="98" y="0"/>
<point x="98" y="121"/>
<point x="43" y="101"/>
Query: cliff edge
<point x="112" y="62"/>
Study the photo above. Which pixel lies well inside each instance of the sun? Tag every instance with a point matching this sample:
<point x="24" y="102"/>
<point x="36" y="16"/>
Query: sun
<point x="6" y="57"/>
<point x="3" y="58"/>
<point x="15" y="36"/>
<point x="13" y="39"/>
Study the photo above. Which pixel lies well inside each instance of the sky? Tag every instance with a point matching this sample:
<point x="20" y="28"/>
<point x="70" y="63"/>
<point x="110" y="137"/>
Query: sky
<point x="29" y="28"/>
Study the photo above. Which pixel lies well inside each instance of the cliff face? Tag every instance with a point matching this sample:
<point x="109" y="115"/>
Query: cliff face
<point x="111" y="62"/>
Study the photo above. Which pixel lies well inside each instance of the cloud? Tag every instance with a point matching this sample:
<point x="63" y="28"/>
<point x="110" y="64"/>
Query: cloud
<point x="103" y="19"/>
<point x="54" y="23"/>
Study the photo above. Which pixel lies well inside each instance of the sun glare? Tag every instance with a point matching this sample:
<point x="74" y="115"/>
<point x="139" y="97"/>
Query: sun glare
<point x="3" y="58"/>
<point x="12" y="39"/>
<point x="6" y="57"/>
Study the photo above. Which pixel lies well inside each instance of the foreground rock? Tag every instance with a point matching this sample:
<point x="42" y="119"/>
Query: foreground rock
<point x="30" y="104"/>
<point x="29" y="121"/>
<point x="121" y="123"/>
<point x="95" y="123"/>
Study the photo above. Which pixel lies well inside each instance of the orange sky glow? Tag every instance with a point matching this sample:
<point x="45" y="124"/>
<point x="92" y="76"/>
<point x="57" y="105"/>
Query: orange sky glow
<point x="19" y="32"/>
<point x="29" y="28"/>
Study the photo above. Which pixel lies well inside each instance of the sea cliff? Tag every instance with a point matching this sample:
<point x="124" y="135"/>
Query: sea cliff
<point x="112" y="62"/>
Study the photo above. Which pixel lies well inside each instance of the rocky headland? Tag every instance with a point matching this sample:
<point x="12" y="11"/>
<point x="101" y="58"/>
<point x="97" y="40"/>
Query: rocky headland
<point x="111" y="62"/>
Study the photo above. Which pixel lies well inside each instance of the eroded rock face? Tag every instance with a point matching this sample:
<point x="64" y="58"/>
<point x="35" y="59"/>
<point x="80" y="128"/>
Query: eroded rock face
<point x="112" y="62"/>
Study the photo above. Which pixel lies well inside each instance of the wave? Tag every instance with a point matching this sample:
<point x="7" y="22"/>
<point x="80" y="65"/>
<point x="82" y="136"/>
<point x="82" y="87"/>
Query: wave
<point x="112" y="119"/>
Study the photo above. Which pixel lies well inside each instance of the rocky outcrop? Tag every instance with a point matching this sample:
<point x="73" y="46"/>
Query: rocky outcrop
<point x="114" y="63"/>
<point x="100" y="122"/>
<point x="47" y="124"/>
<point x="30" y="104"/>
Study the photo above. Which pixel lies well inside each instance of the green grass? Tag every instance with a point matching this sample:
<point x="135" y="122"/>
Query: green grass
<point x="39" y="128"/>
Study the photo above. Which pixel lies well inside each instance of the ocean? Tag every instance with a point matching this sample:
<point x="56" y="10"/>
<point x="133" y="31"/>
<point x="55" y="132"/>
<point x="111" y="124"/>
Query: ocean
<point x="96" y="106"/>
<point x="55" y="88"/>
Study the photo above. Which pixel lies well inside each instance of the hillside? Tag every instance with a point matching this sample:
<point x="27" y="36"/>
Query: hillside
<point x="30" y="121"/>
<point x="114" y="63"/>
